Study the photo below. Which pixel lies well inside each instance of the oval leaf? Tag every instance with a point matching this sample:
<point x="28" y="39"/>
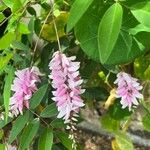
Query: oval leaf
<point x="46" y="140"/>
<point x="38" y="96"/>
<point x="77" y="10"/>
<point x="108" y="31"/>
<point x="28" y="134"/>
<point x="49" y="111"/>
<point x="141" y="12"/>
<point x="18" y="126"/>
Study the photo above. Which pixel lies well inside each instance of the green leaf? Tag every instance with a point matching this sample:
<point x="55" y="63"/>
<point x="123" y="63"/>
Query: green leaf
<point x="6" y="40"/>
<point x="139" y="28"/>
<point x="38" y="96"/>
<point x="141" y="12"/>
<point x="7" y="90"/>
<point x="95" y="93"/>
<point x="146" y="122"/>
<point x="49" y="111"/>
<point x="87" y="28"/>
<point x="141" y="67"/>
<point x="20" y="46"/>
<point x="2" y="17"/>
<point x="116" y="111"/>
<point x="123" y="141"/>
<point x="46" y="140"/>
<point x="31" y="11"/>
<point x="78" y="8"/>
<point x="2" y="147"/>
<point x="28" y="134"/>
<point x="8" y="3"/>
<point x="3" y="123"/>
<point x="63" y="137"/>
<point x="108" y="31"/>
<point x="58" y="123"/>
<point x="109" y="123"/>
<point x="18" y="125"/>
<point x="23" y="28"/>
<point x="4" y="61"/>
<point x="17" y="5"/>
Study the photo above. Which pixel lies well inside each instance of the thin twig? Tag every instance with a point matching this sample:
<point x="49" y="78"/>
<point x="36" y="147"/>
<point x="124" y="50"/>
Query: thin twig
<point x="56" y="31"/>
<point x="39" y="117"/>
<point x="36" y="44"/>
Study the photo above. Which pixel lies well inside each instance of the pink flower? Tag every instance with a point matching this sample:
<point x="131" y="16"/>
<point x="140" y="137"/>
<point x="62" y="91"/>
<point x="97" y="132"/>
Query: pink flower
<point x="128" y="90"/>
<point x="67" y="84"/>
<point x="24" y="85"/>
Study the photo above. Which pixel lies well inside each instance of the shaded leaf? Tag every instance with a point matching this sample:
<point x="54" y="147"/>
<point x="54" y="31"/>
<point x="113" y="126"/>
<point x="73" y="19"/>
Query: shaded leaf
<point x="38" y="96"/>
<point x="28" y="134"/>
<point x="20" y="46"/>
<point x="49" y="111"/>
<point x="18" y="125"/>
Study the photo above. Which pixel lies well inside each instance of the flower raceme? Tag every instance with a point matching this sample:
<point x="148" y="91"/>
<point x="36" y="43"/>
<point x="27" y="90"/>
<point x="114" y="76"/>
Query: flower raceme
<point x="128" y="90"/>
<point x="24" y="85"/>
<point x="67" y="84"/>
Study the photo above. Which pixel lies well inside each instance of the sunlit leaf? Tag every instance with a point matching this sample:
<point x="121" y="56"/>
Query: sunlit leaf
<point x="76" y="12"/>
<point x="141" y="12"/>
<point x="46" y="140"/>
<point x="108" y="31"/>
<point x="6" y="40"/>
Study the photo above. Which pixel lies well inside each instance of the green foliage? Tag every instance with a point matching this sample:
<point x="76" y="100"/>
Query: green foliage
<point x="141" y="12"/>
<point x="108" y="31"/>
<point x="109" y="123"/>
<point x="63" y="137"/>
<point x="124" y="141"/>
<point x="114" y="36"/>
<point x="76" y="12"/>
<point x="28" y="134"/>
<point x="7" y="90"/>
<point x="146" y="122"/>
<point x="18" y="125"/>
<point x="38" y="96"/>
<point x="46" y="140"/>
<point x="49" y="111"/>
<point x="6" y="40"/>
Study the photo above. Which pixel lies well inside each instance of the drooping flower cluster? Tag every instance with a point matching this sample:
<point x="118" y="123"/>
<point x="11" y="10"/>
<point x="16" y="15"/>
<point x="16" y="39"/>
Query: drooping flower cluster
<point x="24" y="85"/>
<point x="128" y="90"/>
<point x="67" y="84"/>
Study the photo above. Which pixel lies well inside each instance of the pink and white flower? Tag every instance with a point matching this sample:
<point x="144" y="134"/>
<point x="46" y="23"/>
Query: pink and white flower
<point x="128" y="90"/>
<point x="67" y="84"/>
<point x="24" y="85"/>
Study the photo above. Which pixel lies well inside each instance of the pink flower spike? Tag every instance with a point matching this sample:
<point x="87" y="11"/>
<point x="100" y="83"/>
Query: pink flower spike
<point x="24" y="85"/>
<point x="67" y="84"/>
<point x="128" y="90"/>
